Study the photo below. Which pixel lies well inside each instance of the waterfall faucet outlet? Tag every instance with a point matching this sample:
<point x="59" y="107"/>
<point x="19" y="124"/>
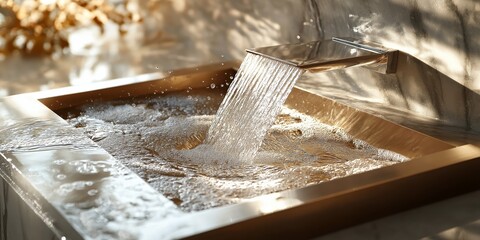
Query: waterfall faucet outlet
<point x="335" y="53"/>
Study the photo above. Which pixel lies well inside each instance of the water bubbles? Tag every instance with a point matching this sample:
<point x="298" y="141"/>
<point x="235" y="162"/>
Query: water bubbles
<point x="59" y="162"/>
<point x="92" y="192"/>
<point x="212" y="86"/>
<point x="85" y="167"/>
<point x="61" y="177"/>
<point x="98" y="136"/>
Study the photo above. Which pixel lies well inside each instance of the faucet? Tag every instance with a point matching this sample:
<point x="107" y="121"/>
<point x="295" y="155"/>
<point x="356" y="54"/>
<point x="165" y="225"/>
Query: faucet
<point x="331" y="54"/>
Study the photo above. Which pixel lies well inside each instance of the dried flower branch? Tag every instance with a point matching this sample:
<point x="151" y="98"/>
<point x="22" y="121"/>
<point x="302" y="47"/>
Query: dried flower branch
<point x="34" y="27"/>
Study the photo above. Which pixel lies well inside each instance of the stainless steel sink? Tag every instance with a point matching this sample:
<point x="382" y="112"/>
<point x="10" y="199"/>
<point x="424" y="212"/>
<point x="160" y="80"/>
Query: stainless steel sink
<point x="40" y="151"/>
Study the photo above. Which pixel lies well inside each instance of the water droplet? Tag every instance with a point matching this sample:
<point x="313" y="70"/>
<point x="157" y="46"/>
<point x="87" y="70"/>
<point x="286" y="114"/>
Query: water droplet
<point x="222" y="56"/>
<point x="85" y="167"/>
<point x="212" y="86"/>
<point x="92" y="192"/>
<point x="231" y="77"/>
<point x="61" y="176"/>
<point x="298" y="36"/>
<point x="223" y="64"/>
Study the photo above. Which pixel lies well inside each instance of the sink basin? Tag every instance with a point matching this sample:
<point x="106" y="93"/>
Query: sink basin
<point x="77" y="190"/>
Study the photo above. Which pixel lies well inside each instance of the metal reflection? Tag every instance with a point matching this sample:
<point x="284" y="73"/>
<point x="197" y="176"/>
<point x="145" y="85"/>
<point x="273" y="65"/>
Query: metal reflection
<point x="337" y="53"/>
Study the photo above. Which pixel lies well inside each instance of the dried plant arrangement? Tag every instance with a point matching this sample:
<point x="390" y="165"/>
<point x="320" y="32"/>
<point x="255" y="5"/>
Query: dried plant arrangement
<point x="40" y="27"/>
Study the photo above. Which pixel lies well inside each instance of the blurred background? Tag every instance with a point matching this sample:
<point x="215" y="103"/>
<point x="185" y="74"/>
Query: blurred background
<point x="47" y="44"/>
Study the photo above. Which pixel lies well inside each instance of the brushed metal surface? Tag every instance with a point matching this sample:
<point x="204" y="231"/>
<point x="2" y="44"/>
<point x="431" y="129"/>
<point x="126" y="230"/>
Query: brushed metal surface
<point x="332" y="54"/>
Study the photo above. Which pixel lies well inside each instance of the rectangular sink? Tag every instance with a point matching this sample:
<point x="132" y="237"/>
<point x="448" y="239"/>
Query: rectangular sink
<point x="78" y="190"/>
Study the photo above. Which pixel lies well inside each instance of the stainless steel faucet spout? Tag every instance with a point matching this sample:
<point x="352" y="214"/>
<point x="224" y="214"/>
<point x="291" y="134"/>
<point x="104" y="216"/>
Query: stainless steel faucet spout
<point x="335" y="53"/>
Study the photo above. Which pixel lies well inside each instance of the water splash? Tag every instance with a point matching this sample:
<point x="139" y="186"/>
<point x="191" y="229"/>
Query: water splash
<point x="159" y="140"/>
<point x="254" y="99"/>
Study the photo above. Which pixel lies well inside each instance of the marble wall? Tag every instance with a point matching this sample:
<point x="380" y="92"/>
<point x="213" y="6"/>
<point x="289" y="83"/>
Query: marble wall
<point x="441" y="33"/>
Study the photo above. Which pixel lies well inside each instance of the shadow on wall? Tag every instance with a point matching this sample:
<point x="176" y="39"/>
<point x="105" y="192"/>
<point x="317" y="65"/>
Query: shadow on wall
<point x="229" y="27"/>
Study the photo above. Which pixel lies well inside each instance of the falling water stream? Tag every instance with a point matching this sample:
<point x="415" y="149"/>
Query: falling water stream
<point x="254" y="99"/>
